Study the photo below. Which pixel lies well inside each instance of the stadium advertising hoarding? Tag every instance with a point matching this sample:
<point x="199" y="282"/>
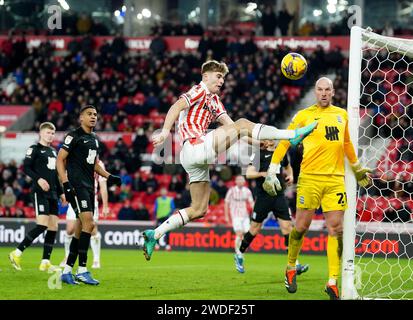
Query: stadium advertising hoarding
<point x="11" y="113"/>
<point x="190" y="43"/>
<point x="125" y="235"/>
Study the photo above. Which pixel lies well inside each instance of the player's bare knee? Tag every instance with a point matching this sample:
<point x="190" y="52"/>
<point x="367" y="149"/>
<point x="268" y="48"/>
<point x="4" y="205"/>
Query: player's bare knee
<point x="242" y="125"/>
<point x="302" y="226"/>
<point x="335" y="231"/>
<point x="88" y="226"/>
<point x="255" y="228"/>
<point x="200" y="212"/>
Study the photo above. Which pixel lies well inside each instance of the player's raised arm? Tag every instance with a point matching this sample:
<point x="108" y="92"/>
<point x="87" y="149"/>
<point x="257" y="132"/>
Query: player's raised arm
<point x="172" y="115"/>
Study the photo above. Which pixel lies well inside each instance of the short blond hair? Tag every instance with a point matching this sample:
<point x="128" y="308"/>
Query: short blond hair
<point x="47" y="125"/>
<point x="214" y="66"/>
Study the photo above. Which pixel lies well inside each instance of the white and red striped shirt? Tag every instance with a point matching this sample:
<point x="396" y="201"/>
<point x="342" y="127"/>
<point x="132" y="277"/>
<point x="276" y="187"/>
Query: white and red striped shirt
<point x="203" y="108"/>
<point x="98" y="178"/>
<point x="236" y="199"/>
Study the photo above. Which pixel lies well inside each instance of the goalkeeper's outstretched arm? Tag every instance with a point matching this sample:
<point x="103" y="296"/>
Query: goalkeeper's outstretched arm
<point x="361" y="174"/>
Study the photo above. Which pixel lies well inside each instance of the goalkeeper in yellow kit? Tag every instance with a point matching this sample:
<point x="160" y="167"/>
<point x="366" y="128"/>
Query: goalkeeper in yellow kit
<point x="321" y="180"/>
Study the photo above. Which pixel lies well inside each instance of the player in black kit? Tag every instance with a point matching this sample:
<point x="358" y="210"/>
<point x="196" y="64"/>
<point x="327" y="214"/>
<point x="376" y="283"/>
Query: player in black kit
<point x="40" y="165"/>
<point x="266" y="204"/>
<point x="76" y="165"/>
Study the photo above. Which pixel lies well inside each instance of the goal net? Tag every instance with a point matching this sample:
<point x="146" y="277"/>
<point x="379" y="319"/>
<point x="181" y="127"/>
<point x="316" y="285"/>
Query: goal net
<point x="378" y="228"/>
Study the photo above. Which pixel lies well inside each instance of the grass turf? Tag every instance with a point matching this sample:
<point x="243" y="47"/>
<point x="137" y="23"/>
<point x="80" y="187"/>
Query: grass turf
<point x="125" y="274"/>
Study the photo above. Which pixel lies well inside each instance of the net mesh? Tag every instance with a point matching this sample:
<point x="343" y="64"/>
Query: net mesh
<point x="384" y="245"/>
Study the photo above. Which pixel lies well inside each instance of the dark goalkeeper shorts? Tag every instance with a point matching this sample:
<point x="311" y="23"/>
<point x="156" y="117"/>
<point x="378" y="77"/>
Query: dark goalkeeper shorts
<point x="265" y="204"/>
<point x="44" y="205"/>
<point x="84" y="200"/>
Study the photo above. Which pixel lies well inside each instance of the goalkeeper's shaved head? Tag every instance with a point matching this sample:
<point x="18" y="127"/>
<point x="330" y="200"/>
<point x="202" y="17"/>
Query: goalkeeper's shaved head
<point x="324" y="79"/>
<point x="324" y="91"/>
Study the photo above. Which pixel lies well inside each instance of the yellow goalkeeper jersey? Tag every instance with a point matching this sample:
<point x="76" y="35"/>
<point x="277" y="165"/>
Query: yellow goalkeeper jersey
<point x="325" y="147"/>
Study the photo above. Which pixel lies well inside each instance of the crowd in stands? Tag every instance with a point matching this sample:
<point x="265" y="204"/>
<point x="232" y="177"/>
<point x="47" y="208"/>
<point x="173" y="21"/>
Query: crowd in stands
<point x="133" y="93"/>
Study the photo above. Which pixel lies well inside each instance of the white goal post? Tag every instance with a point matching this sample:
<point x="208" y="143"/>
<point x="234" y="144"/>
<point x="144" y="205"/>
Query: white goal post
<point x="377" y="238"/>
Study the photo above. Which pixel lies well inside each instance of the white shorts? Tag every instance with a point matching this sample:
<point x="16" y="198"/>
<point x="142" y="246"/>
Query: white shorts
<point x="195" y="158"/>
<point x="71" y="215"/>
<point x="241" y="224"/>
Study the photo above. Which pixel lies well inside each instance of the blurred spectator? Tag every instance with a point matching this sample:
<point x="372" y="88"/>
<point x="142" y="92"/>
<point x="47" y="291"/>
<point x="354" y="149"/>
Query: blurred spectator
<point x="84" y="23"/>
<point x="183" y="200"/>
<point x="119" y="46"/>
<point x="137" y="183"/>
<point x="125" y="177"/>
<point x="8" y="200"/>
<point x="176" y="185"/>
<point x="127" y="212"/>
<point x="164" y="207"/>
<point x="157" y="46"/>
<point x="125" y="192"/>
<point x="142" y="213"/>
<point x="269" y="21"/>
<point x="20" y="213"/>
<point x="284" y="19"/>
<point x="151" y="182"/>
<point x="221" y="189"/>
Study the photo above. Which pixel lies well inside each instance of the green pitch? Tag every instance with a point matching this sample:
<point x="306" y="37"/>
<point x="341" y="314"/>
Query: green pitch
<point x="125" y="274"/>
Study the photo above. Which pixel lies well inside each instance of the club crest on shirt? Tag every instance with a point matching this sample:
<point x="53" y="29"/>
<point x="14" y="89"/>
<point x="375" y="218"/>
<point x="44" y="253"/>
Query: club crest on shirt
<point x="339" y="119"/>
<point x="68" y="140"/>
<point x="301" y="199"/>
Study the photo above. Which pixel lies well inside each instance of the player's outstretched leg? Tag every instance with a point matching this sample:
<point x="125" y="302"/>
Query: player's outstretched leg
<point x="303" y="132"/>
<point x="239" y="262"/>
<point x="149" y="243"/>
<point x="175" y="221"/>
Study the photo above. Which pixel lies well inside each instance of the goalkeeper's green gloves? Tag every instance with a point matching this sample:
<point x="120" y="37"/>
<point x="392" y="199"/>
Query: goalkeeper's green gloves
<point x="361" y="174"/>
<point x="271" y="184"/>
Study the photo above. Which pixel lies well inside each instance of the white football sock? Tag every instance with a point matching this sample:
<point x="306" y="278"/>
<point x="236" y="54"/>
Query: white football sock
<point x="67" y="269"/>
<point x="177" y="220"/>
<point x="18" y="252"/>
<point x="332" y="282"/>
<point x="238" y="241"/>
<point x="81" y="270"/>
<point x="68" y="239"/>
<point x="95" y="245"/>
<point x="264" y="132"/>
